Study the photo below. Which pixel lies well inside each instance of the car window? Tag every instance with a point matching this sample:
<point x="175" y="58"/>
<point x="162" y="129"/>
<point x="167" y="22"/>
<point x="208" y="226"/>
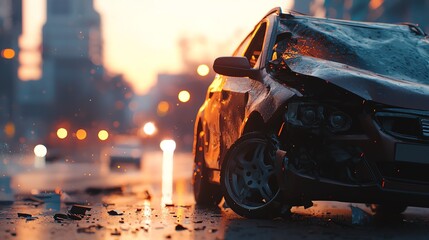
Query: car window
<point x="254" y="50"/>
<point x="243" y="46"/>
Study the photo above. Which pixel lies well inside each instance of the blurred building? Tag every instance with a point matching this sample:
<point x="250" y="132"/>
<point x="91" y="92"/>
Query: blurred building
<point x="172" y="104"/>
<point x="74" y="91"/>
<point x="10" y="29"/>
<point x="392" y="11"/>
<point x="71" y="54"/>
<point x="302" y="6"/>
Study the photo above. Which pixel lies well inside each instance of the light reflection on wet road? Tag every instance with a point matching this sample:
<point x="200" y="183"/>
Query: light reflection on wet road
<point x="145" y="218"/>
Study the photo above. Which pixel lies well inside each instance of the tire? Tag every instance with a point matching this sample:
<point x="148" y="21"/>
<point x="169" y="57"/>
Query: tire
<point x="387" y="209"/>
<point x="248" y="179"/>
<point x="206" y="194"/>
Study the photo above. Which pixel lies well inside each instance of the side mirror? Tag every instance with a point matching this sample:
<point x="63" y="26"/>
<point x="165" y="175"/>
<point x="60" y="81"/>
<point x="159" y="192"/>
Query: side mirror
<point x="235" y="67"/>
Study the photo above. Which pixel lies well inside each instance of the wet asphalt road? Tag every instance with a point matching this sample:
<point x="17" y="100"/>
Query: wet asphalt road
<point x="137" y="193"/>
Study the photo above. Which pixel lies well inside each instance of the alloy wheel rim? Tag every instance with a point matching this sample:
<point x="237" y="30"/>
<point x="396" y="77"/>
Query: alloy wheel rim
<point x="250" y="177"/>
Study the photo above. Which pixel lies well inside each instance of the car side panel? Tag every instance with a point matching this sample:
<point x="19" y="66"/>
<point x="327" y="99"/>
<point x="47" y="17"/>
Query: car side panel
<point x="268" y="97"/>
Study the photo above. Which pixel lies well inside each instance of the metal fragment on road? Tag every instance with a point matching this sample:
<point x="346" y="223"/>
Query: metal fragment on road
<point x="79" y="209"/>
<point x="180" y="227"/>
<point x="115" y="212"/>
<point x="24" y="215"/>
<point x="60" y="216"/>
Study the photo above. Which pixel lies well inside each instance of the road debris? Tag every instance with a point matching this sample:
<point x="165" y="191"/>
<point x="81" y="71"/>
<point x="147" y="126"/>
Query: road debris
<point x="147" y="195"/>
<point x="60" y="216"/>
<point x="32" y="200"/>
<point x="24" y="215"/>
<point x="90" y="229"/>
<point x="180" y="227"/>
<point x="104" y="191"/>
<point x="359" y="216"/>
<point x="79" y="209"/>
<point x="74" y="216"/>
<point x="108" y="204"/>
<point x="115" y="212"/>
<point x="116" y="232"/>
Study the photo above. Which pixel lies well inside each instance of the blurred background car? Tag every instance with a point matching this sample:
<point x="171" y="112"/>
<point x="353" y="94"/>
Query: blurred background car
<point x="125" y="150"/>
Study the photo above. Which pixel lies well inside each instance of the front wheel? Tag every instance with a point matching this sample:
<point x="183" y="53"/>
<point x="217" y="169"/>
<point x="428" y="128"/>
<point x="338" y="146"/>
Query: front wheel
<point x="248" y="179"/>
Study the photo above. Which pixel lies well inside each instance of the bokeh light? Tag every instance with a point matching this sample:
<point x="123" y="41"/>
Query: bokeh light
<point x="184" y="96"/>
<point x="149" y="128"/>
<point x="62" y="133"/>
<point x="103" y="135"/>
<point x="40" y="151"/>
<point x="203" y="70"/>
<point x="9" y="129"/>
<point x="163" y="108"/>
<point x="168" y="145"/>
<point x="81" y="134"/>
<point x="8" y="53"/>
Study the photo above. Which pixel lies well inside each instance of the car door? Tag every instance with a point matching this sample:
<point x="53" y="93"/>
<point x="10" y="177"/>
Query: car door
<point x="234" y="95"/>
<point x="211" y="122"/>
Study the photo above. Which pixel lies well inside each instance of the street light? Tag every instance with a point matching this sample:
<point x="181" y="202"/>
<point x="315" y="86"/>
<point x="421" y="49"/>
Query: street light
<point x="62" y="133"/>
<point x="163" y="108"/>
<point x="81" y="134"/>
<point x="40" y="152"/>
<point x="149" y="128"/>
<point x="203" y="70"/>
<point x="8" y="53"/>
<point x="167" y="147"/>
<point x="103" y="135"/>
<point x="184" y="96"/>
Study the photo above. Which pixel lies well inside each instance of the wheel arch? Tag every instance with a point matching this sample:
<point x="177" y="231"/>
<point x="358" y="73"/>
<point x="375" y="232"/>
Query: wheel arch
<point x="253" y="123"/>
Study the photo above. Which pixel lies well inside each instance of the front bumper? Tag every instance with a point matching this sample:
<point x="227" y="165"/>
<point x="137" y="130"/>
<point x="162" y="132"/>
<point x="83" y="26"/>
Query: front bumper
<point x="386" y="173"/>
<point x="299" y="188"/>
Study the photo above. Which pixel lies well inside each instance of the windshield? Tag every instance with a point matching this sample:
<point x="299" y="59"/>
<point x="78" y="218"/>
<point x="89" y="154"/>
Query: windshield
<point x="393" y="51"/>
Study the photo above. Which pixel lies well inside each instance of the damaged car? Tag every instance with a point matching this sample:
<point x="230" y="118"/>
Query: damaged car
<point x="316" y="109"/>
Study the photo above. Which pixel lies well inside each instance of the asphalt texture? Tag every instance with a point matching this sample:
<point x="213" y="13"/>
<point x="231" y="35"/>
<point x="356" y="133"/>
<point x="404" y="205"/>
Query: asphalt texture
<point x="81" y="200"/>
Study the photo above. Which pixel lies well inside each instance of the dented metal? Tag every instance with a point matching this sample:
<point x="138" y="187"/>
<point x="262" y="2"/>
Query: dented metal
<point x="384" y="63"/>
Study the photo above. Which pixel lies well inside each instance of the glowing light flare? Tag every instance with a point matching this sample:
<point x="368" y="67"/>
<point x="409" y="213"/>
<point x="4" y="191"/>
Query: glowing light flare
<point x="147" y="212"/>
<point x="163" y="108"/>
<point x="40" y="151"/>
<point x="184" y="96"/>
<point x="167" y="147"/>
<point x="81" y="134"/>
<point x="8" y="53"/>
<point x="103" y="135"/>
<point x="203" y="70"/>
<point x="9" y="129"/>
<point x="374" y="4"/>
<point x="62" y="133"/>
<point x="149" y="128"/>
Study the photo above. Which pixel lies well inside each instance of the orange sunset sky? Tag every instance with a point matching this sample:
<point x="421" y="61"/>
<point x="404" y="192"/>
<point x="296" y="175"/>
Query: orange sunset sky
<point x="141" y="37"/>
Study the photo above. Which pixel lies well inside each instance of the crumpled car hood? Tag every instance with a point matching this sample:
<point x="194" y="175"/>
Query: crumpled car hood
<point x="385" y="63"/>
<point x="365" y="84"/>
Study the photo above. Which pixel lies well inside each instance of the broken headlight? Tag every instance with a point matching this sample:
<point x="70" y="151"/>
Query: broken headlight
<point x="314" y="115"/>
